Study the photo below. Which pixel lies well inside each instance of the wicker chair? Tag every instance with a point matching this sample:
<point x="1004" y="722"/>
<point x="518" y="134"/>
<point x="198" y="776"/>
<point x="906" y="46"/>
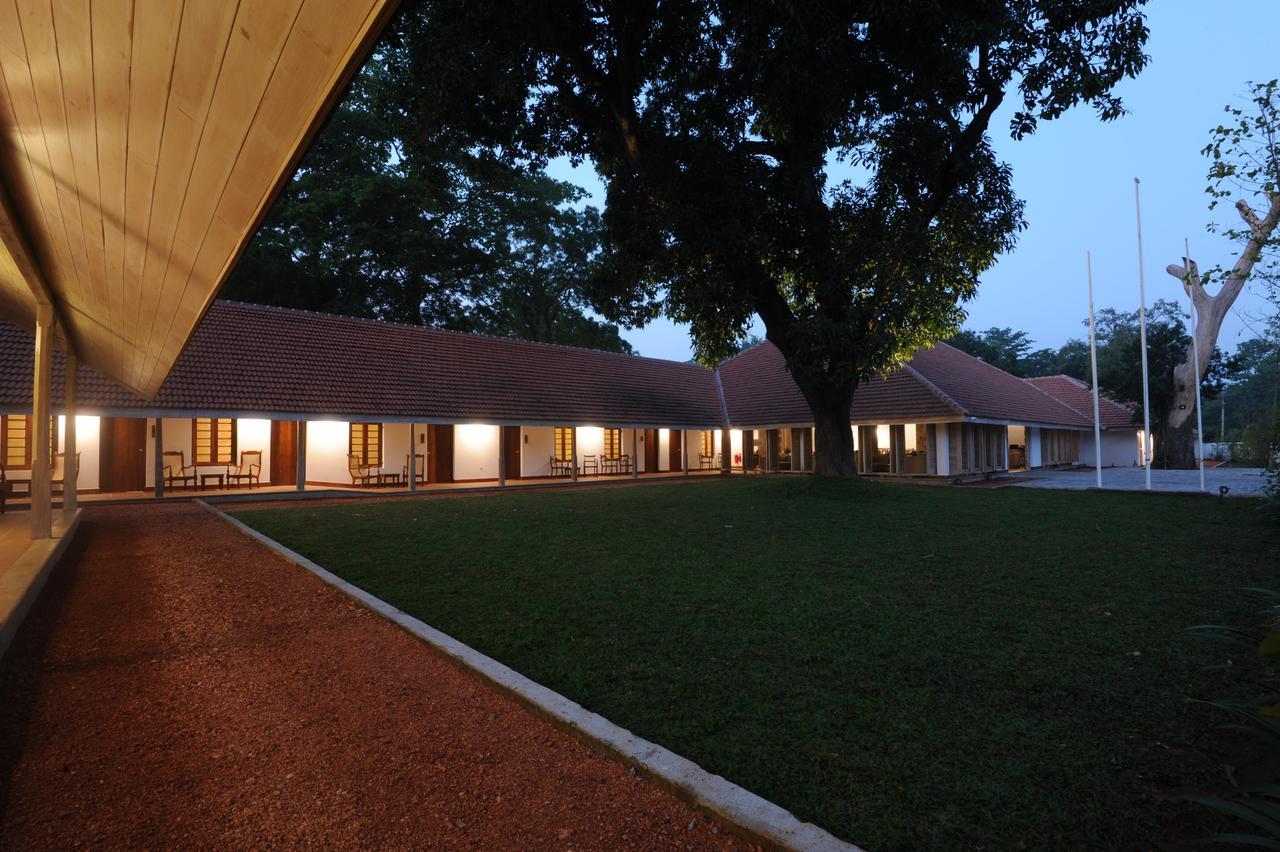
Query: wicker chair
<point x="57" y="477"/>
<point x="361" y="473"/>
<point x="250" y="469"/>
<point x="419" y="469"/>
<point x="177" y="470"/>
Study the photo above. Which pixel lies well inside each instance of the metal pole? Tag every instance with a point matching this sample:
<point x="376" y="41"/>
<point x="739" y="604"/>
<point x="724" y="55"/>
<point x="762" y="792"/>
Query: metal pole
<point x="1195" y="354"/>
<point x="1093" y="359"/>
<point x="1142" y="332"/>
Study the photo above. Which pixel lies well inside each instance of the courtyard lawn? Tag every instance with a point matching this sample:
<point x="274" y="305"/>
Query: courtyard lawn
<point x="907" y="666"/>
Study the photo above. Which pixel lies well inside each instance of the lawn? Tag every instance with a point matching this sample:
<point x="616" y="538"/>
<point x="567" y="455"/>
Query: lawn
<point x="907" y="666"/>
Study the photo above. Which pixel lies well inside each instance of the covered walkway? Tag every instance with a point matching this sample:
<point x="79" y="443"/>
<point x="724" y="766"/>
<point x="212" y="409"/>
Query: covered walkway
<point x="179" y="685"/>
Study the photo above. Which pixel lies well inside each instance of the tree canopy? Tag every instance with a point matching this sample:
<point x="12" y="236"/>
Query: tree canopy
<point x="716" y="126"/>
<point x="431" y="231"/>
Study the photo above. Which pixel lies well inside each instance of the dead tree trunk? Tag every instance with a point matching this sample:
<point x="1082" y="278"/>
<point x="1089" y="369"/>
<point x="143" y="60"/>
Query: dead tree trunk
<point x="1210" y="312"/>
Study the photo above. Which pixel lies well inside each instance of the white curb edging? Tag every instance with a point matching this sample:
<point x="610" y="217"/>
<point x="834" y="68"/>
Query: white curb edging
<point x="757" y="817"/>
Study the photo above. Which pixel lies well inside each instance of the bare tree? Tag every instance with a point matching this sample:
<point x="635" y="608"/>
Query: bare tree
<point x="1245" y="158"/>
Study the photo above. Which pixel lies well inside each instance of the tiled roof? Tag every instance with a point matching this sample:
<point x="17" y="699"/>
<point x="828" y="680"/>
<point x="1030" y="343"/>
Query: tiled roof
<point x="759" y="391"/>
<point x="940" y="382"/>
<point x="254" y="359"/>
<point x="1077" y="394"/>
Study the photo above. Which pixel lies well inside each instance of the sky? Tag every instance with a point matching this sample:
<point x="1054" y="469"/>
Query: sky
<point x="1076" y="176"/>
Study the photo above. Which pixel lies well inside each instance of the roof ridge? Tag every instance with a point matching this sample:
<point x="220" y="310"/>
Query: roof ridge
<point x="1015" y="378"/>
<point x="472" y="335"/>
<point x="939" y="392"/>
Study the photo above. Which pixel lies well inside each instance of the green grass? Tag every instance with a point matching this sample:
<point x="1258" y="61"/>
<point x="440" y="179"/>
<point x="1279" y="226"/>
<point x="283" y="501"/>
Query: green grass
<point x="906" y="666"/>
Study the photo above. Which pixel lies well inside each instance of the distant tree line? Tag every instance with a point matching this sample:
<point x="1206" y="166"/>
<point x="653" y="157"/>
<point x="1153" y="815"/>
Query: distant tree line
<point x="1248" y="381"/>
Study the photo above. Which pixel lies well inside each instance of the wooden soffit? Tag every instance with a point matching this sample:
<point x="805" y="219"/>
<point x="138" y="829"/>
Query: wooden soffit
<point x="141" y="143"/>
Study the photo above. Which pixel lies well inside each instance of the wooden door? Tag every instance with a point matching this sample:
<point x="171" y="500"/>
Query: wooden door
<point x="676" y="458"/>
<point x="440" y="453"/>
<point x="511" y="448"/>
<point x="284" y="452"/>
<point x="650" y="450"/>
<point x="122" y="454"/>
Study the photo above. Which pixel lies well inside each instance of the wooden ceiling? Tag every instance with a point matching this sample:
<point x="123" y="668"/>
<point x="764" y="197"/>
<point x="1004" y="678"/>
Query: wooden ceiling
<point x="141" y="143"/>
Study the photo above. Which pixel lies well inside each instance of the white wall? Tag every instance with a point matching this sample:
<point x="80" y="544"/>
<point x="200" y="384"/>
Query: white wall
<point x="327" y="444"/>
<point x="1033" y="447"/>
<point x="1120" y="448"/>
<point x="395" y="447"/>
<point x="87" y="443"/>
<point x="475" y="451"/>
<point x="664" y="449"/>
<point x="538" y="444"/>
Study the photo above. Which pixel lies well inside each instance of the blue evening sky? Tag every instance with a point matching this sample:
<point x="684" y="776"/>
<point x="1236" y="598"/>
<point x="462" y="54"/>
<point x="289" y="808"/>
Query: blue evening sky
<point x="1076" y="175"/>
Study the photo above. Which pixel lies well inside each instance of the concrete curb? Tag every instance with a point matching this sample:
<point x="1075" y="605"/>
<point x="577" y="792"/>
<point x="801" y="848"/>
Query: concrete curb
<point x="756" y="818"/>
<point x="21" y="584"/>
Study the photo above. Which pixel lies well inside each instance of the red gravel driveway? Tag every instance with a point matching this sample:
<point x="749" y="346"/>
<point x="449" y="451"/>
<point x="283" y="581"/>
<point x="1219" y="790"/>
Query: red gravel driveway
<point x="178" y="684"/>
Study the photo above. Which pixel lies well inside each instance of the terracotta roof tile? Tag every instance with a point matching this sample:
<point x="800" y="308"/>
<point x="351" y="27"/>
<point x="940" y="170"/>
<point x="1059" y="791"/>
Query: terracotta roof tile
<point x="940" y="382"/>
<point x="1077" y="395"/>
<point x="250" y="358"/>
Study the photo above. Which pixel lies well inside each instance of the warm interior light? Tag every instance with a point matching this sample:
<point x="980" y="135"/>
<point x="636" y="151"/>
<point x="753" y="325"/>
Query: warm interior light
<point x="476" y="435"/>
<point x="882" y="436"/>
<point x="329" y="435"/>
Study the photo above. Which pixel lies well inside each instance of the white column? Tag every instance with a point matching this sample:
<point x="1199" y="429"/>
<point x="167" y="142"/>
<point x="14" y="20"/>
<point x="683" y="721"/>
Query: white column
<point x="1033" y="447"/>
<point x="70" y="467"/>
<point x="301" y="473"/>
<point x="502" y="456"/>
<point x="635" y="457"/>
<point x="41" y="498"/>
<point x="684" y="450"/>
<point x="944" y="450"/>
<point x="413" y="457"/>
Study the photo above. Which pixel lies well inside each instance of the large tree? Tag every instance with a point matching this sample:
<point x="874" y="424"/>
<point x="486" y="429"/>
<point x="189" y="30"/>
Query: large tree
<point x="716" y="127"/>
<point x="1244" y="156"/>
<point x="436" y="231"/>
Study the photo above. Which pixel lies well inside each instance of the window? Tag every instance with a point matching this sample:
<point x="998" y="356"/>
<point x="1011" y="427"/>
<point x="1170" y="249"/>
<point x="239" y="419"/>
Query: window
<point x="708" y="442"/>
<point x="366" y="443"/>
<point x="612" y="443"/>
<point x="564" y="443"/>
<point x="15" y="440"/>
<point x="213" y="440"/>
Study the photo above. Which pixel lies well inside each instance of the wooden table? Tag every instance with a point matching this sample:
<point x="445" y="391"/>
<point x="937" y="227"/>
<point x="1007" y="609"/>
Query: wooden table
<point x="205" y="477"/>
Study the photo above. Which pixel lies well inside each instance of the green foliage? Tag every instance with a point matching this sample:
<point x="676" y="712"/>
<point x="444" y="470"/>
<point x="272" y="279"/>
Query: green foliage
<point x="714" y="125"/>
<point x="1011" y="351"/>
<point x="1256" y="718"/>
<point x="432" y="231"/>
<point x="1244" y="161"/>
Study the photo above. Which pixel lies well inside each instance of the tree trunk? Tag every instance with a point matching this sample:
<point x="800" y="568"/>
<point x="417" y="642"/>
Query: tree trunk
<point x="1175" y="446"/>
<point x="1180" y="437"/>
<point x="832" y="432"/>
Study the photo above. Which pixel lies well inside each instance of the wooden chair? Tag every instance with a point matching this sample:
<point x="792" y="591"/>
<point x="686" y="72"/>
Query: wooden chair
<point x="561" y="467"/>
<point x="589" y="464"/>
<point x="361" y="473"/>
<point x="706" y="461"/>
<point x="57" y="478"/>
<point x="419" y="469"/>
<point x="177" y="470"/>
<point x="624" y="463"/>
<point x="250" y="469"/>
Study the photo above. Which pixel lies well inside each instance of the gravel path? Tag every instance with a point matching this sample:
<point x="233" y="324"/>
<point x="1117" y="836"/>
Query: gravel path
<point x="178" y="685"/>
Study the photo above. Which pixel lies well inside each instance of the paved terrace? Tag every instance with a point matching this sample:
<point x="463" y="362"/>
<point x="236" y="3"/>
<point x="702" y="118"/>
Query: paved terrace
<point x="1243" y="481"/>
<point x="179" y="685"/>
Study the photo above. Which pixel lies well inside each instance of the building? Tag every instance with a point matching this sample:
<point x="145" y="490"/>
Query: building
<point x="322" y="401"/>
<point x="1121" y="435"/>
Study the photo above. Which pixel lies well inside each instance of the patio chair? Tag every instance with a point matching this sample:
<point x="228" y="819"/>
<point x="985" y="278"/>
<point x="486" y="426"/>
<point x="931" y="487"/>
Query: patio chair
<point x="419" y="469"/>
<point x="250" y="469"/>
<point x="624" y="463"/>
<point x="590" y="464"/>
<point x="561" y="467"/>
<point x="706" y="461"/>
<point x="361" y="473"/>
<point x="58" y="475"/>
<point x="177" y="470"/>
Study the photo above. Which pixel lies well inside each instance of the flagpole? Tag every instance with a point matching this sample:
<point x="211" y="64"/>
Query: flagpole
<point x="1093" y="358"/>
<point x="1195" y="354"/>
<point x="1142" y="332"/>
